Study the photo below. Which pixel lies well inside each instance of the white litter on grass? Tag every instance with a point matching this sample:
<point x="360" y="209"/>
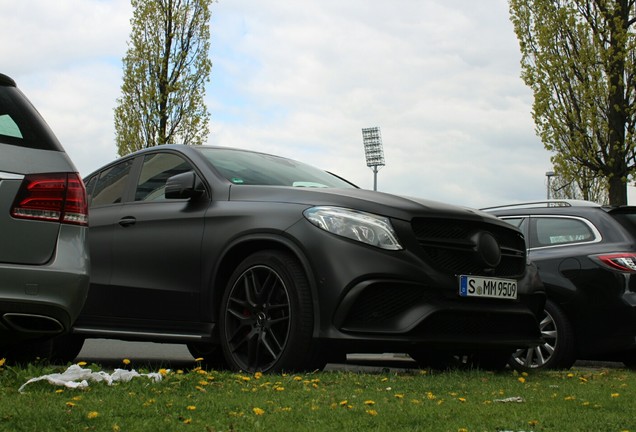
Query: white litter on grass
<point x="517" y="399"/>
<point x="76" y="377"/>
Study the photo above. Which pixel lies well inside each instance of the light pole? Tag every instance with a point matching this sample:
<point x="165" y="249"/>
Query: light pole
<point x="373" y="151"/>
<point x="549" y="175"/>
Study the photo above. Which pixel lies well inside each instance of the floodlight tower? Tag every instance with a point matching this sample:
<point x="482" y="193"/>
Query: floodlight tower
<point x="373" y="151"/>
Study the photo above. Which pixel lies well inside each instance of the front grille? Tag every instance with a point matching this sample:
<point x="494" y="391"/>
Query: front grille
<point x="448" y="246"/>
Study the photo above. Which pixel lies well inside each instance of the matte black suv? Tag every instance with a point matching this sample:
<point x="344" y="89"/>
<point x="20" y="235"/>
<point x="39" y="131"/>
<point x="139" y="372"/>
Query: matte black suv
<point x="586" y="256"/>
<point x="44" y="260"/>
<point x="259" y="262"/>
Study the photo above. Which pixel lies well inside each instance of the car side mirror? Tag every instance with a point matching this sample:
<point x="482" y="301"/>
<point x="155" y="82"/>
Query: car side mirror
<point x="183" y="186"/>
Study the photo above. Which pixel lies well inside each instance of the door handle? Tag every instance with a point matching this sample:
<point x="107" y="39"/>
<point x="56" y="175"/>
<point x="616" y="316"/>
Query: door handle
<point x="127" y="221"/>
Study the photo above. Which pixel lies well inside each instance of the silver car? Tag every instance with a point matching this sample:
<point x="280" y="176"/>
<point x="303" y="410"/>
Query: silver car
<point x="44" y="260"/>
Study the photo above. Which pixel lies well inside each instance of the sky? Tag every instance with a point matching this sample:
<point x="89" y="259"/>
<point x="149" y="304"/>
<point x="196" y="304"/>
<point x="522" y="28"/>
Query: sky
<point x="440" y="78"/>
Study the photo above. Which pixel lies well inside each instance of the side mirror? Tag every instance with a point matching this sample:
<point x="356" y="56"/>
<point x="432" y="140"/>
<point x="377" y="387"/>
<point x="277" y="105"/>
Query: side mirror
<point x="183" y="186"/>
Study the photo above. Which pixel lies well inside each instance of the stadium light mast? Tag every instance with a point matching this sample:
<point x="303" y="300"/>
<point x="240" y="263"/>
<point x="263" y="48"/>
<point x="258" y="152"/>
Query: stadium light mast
<point x="373" y="151"/>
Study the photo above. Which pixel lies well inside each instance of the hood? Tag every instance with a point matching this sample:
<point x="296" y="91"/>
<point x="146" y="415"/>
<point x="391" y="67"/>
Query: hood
<point x="384" y="204"/>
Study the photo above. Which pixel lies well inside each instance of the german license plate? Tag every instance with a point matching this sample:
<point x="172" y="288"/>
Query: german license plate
<point x="476" y="286"/>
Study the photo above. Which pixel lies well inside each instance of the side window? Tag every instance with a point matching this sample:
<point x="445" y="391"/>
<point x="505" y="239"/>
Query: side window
<point x="157" y="168"/>
<point x="514" y="221"/>
<point x="111" y="185"/>
<point x="550" y="231"/>
<point x="90" y="185"/>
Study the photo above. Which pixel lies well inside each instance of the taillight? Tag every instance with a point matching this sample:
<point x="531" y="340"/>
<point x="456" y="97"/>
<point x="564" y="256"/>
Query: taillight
<point x="624" y="261"/>
<point x="55" y="197"/>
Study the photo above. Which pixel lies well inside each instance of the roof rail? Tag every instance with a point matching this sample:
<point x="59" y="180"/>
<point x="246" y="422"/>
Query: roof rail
<point x="546" y="203"/>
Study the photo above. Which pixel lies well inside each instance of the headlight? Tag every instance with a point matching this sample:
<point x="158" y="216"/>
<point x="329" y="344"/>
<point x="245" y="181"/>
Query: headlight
<point x="364" y="227"/>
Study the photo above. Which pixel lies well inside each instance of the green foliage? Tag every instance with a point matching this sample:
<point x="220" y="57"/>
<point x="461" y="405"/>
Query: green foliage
<point x="412" y="400"/>
<point x="165" y="71"/>
<point x="578" y="59"/>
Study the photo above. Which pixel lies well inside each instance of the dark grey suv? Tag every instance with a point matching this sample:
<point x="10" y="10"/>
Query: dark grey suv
<point x="586" y="256"/>
<point x="259" y="262"/>
<point x="44" y="261"/>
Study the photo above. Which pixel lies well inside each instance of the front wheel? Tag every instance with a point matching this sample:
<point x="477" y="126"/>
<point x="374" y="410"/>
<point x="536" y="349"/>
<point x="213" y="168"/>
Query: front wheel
<point x="266" y="318"/>
<point x="557" y="351"/>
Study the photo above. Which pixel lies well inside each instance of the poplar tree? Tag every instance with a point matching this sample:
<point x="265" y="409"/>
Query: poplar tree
<point x="166" y="68"/>
<point x="578" y="57"/>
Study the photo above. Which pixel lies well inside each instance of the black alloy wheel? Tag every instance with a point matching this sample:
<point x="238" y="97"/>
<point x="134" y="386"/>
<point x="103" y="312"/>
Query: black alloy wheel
<point x="557" y="350"/>
<point x="266" y="320"/>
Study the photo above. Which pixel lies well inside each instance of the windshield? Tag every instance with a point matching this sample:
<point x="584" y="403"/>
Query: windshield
<point x="249" y="168"/>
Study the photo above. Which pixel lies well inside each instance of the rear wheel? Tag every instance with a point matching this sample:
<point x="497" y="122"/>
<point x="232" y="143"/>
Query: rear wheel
<point x="557" y="351"/>
<point x="27" y="352"/>
<point x="66" y="348"/>
<point x="266" y="319"/>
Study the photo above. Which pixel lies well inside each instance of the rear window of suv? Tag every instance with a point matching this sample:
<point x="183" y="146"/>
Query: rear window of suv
<point x="20" y="123"/>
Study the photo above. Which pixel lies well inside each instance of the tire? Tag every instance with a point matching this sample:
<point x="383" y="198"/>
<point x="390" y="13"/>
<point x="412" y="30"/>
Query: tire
<point x="27" y="352"/>
<point x="211" y="355"/>
<point x="557" y="350"/>
<point x="266" y="319"/>
<point x="66" y="348"/>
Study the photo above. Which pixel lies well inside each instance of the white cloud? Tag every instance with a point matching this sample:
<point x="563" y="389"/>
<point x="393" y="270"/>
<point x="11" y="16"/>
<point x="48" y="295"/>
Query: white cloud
<point x="439" y="77"/>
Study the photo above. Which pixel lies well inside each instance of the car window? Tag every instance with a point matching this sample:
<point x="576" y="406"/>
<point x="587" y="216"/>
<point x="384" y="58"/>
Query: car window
<point x="514" y="221"/>
<point x="550" y="231"/>
<point x="21" y="124"/>
<point x="156" y="169"/>
<point x="111" y="184"/>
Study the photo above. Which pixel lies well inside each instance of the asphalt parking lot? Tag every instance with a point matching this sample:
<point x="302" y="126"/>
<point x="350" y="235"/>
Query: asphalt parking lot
<point x="111" y="353"/>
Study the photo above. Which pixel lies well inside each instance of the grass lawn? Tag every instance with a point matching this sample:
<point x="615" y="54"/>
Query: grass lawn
<point x="202" y="400"/>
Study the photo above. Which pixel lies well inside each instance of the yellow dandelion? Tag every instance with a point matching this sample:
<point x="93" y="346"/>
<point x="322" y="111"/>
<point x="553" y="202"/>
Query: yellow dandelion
<point x="385" y="379"/>
<point x="430" y="396"/>
<point x="116" y="428"/>
<point x="76" y="398"/>
<point x="82" y="363"/>
<point x="344" y="402"/>
<point x="462" y="430"/>
<point x="521" y="380"/>
<point x="245" y="378"/>
<point x="615" y="395"/>
<point x="70" y="404"/>
<point x="297" y="378"/>
<point x="92" y="414"/>
<point x="179" y="371"/>
<point x="372" y="412"/>
<point x="258" y="411"/>
<point x="399" y="396"/>
<point x="126" y="361"/>
<point x="191" y="407"/>
<point x="258" y="375"/>
<point x="201" y="389"/>
<point x="586" y="403"/>
<point x="59" y="391"/>
<point x="569" y="398"/>
<point x="279" y="388"/>
<point x="203" y="383"/>
<point x="533" y="422"/>
<point x="187" y="421"/>
<point x="369" y="402"/>
<point x="2" y="361"/>
<point x="198" y="359"/>
<point x="202" y="372"/>
<point x="163" y="372"/>
<point x="461" y="399"/>
<point x="570" y="375"/>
